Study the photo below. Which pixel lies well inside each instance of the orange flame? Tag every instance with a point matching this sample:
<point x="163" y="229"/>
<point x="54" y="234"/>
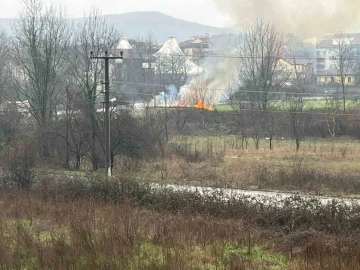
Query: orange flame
<point x="201" y="104"/>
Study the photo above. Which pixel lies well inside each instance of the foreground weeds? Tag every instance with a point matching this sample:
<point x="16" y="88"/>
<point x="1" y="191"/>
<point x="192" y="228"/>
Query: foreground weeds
<point x="87" y="234"/>
<point x="93" y="223"/>
<point x="36" y="234"/>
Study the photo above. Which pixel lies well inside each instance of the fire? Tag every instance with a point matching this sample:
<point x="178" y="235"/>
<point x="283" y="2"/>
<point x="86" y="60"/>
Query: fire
<point x="201" y="104"/>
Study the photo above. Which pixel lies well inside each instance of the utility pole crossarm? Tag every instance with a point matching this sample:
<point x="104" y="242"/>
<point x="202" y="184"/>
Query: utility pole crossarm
<point x="107" y="108"/>
<point x="107" y="57"/>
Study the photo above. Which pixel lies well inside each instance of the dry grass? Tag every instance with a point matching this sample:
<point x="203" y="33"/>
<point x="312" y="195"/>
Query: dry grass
<point x="60" y="234"/>
<point x="88" y="235"/>
<point x="220" y="161"/>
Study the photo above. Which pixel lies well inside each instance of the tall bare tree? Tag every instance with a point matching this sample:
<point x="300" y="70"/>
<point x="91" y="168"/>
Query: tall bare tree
<point x="260" y="73"/>
<point x="4" y="62"/>
<point x="344" y="61"/>
<point x="296" y="101"/>
<point x="39" y="51"/>
<point x="96" y="35"/>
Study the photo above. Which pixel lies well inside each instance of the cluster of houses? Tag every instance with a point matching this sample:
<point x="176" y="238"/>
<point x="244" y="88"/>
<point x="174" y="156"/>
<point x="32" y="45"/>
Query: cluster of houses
<point x="321" y="64"/>
<point x="142" y="60"/>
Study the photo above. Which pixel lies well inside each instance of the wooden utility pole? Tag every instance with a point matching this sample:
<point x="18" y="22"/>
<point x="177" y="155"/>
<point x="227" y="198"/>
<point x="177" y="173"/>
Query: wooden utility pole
<point x="107" y="108"/>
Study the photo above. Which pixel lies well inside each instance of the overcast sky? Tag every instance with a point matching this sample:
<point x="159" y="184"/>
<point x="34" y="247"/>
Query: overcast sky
<point x="201" y="11"/>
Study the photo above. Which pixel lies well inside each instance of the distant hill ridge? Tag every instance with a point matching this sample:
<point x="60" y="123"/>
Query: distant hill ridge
<point x="159" y="25"/>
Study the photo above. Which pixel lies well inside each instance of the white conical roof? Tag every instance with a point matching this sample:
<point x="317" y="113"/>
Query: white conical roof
<point x="172" y="48"/>
<point x="123" y="44"/>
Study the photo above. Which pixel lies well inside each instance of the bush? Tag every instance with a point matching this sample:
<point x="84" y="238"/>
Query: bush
<point x="301" y="178"/>
<point x="196" y="154"/>
<point x="19" y="168"/>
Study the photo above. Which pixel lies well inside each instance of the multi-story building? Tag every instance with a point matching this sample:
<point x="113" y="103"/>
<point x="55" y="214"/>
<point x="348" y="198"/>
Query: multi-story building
<point x="328" y="48"/>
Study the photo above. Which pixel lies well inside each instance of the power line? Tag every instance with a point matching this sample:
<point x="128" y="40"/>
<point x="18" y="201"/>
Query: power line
<point x="234" y="56"/>
<point x="228" y="89"/>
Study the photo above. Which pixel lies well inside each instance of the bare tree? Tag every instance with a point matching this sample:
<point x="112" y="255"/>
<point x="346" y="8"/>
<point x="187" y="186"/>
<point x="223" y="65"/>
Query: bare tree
<point x="332" y="106"/>
<point x="92" y="34"/>
<point x="4" y="63"/>
<point x="239" y="105"/>
<point x="296" y="101"/>
<point x="39" y="51"/>
<point x="260" y="73"/>
<point x="72" y="130"/>
<point x="260" y="76"/>
<point x="344" y="61"/>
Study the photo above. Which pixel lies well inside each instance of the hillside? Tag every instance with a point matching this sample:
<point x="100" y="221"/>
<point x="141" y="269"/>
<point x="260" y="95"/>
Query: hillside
<point x="140" y="24"/>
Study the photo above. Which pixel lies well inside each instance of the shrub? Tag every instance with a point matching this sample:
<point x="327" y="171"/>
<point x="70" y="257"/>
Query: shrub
<point x="19" y="168"/>
<point x="300" y="178"/>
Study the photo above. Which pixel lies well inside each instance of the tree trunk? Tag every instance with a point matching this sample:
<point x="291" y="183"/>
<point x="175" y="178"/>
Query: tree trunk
<point x="257" y="143"/>
<point x="44" y="143"/>
<point x="297" y="141"/>
<point x="78" y="161"/>
<point x="343" y="92"/>
<point x="94" y="156"/>
<point x="67" y="142"/>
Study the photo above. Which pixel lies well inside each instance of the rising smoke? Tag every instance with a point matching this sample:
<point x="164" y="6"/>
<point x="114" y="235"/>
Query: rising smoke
<point x="304" y="18"/>
<point x="218" y="71"/>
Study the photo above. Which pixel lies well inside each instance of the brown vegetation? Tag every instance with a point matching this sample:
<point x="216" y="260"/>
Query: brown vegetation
<point x="75" y="224"/>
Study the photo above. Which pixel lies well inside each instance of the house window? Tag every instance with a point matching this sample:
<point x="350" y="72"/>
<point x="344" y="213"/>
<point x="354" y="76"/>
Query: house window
<point x="332" y="79"/>
<point x="326" y="79"/>
<point x="349" y="79"/>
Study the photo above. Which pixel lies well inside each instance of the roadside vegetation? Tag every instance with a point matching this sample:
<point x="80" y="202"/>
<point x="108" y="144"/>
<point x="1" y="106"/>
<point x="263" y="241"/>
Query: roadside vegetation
<point x="96" y="223"/>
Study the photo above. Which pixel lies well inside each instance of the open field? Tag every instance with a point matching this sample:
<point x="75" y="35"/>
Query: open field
<point x="320" y="166"/>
